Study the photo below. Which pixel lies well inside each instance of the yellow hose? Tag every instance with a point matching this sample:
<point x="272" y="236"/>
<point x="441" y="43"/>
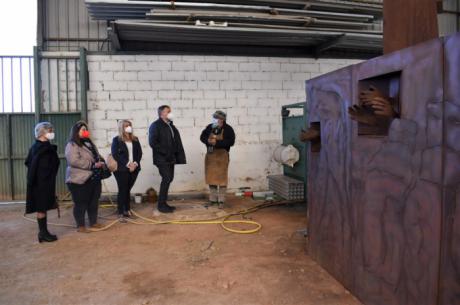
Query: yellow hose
<point x="222" y="220"/>
<point x="218" y="220"/>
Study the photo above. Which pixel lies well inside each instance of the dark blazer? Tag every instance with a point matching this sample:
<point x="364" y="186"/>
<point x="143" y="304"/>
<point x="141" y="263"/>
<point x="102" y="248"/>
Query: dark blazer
<point x="42" y="167"/>
<point x="121" y="155"/>
<point x="166" y="148"/>
<point x="226" y="143"/>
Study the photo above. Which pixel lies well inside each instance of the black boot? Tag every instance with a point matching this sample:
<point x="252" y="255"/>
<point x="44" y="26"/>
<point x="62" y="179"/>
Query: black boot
<point x="44" y="235"/>
<point x="164" y="208"/>
<point x="173" y="208"/>
<point x="46" y="228"/>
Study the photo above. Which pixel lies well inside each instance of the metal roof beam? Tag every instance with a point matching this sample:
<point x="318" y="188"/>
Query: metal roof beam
<point x="113" y="36"/>
<point x="328" y="44"/>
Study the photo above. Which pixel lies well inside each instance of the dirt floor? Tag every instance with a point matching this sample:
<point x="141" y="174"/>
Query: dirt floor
<point x="165" y="264"/>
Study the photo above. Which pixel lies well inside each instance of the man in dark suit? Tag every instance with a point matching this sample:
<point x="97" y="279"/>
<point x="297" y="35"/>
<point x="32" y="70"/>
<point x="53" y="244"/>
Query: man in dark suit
<point x="164" y="138"/>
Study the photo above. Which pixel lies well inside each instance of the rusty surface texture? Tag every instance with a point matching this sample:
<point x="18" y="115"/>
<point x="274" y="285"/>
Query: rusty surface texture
<point x="450" y="267"/>
<point x="408" y="22"/>
<point x="384" y="216"/>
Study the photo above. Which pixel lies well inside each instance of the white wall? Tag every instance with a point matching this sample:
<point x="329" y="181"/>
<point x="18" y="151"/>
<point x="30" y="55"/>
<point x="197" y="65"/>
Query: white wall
<point x="250" y="89"/>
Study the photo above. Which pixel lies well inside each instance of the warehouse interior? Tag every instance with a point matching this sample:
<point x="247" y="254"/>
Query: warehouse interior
<point x="329" y="201"/>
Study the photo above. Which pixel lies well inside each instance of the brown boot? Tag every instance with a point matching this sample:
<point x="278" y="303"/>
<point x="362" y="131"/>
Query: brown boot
<point x="83" y="229"/>
<point x="97" y="226"/>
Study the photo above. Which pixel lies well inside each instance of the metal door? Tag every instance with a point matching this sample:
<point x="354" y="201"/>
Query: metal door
<point x="50" y="86"/>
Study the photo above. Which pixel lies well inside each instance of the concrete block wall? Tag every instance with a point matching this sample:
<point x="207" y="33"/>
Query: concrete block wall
<point x="250" y="89"/>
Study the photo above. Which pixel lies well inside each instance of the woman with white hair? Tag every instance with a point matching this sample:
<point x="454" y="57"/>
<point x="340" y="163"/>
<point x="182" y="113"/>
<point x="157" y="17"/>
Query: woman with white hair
<point x="127" y="151"/>
<point x="42" y="166"/>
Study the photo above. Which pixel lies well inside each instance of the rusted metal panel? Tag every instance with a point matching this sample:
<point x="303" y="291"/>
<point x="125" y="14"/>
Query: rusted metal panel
<point x="380" y="204"/>
<point x="329" y="198"/>
<point x="408" y="22"/>
<point x="397" y="185"/>
<point x="450" y="264"/>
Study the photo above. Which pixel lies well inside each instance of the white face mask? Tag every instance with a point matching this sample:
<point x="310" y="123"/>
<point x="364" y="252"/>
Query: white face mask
<point x="129" y="129"/>
<point x="170" y="116"/>
<point x="50" y="136"/>
<point x="215" y="122"/>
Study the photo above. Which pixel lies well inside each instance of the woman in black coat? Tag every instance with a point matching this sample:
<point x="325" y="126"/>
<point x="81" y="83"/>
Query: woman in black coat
<point x="127" y="151"/>
<point x="42" y="166"/>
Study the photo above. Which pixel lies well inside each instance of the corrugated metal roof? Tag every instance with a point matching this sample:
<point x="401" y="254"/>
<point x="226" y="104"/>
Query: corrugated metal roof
<point x="321" y="25"/>
<point x="66" y="26"/>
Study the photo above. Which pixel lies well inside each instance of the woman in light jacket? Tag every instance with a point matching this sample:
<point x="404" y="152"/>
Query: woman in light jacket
<point x="83" y="175"/>
<point x="127" y="151"/>
<point x="42" y="166"/>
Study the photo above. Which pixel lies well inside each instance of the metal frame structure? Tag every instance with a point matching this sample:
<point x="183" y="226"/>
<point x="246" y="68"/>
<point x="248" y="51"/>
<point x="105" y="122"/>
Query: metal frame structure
<point x="64" y="25"/>
<point x="327" y="28"/>
<point x="16" y="85"/>
<point x="62" y="111"/>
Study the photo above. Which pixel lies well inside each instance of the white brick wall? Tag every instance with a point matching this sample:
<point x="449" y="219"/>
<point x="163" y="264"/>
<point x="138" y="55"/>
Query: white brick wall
<point x="250" y="89"/>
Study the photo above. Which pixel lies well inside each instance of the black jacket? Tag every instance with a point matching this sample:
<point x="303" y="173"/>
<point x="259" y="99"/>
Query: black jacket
<point x="42" y="167"/>
<point x="121" y="155"/>
<point x="165" y="147"/>
<point x="226" y="143"/>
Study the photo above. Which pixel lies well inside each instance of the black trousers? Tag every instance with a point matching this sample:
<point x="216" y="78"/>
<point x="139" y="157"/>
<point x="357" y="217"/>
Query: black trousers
<point x="125" y="182"/>
<point x="167" y="175"/>
<point x="86" y="199"/>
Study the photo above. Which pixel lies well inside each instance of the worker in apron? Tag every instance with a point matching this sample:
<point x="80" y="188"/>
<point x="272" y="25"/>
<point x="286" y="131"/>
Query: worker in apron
<point x="218" y="138"/>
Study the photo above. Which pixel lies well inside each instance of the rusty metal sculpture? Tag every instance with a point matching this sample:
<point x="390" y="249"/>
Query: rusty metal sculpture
<point x="384" y="208"/>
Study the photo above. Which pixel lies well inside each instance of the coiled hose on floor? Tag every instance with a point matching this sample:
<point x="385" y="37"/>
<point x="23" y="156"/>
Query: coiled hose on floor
<point x="223" y="221"/>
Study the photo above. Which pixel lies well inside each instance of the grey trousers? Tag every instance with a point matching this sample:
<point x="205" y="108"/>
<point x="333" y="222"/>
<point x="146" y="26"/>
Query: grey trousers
<point x="217" y="193"/>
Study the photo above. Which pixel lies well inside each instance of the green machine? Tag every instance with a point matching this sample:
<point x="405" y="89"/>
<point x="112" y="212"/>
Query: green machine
<point x="294" y="119"/>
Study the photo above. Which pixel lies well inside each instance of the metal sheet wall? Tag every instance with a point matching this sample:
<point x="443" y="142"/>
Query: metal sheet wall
<point x="64" y="25"/>
<point x="20" y="129"/>
<point x="449" y="17"/>
<point x="5" y="170"/>
<point x="15" y="145"/>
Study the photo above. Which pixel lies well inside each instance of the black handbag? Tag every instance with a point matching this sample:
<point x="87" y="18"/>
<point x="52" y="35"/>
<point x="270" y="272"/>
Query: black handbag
<point x="105" y="173"/>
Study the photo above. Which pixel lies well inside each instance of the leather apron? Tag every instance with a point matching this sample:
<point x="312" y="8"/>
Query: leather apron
<point x="216" y="165"/>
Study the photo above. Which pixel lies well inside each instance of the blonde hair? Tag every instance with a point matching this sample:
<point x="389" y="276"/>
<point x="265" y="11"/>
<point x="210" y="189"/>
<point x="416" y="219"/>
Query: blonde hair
<point x="122" y="135"/>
